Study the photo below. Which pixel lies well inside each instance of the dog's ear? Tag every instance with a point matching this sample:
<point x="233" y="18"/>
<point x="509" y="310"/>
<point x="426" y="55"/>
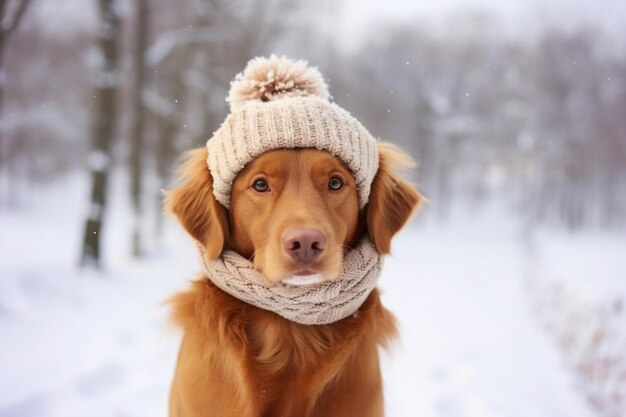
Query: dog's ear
<point x="192" y="201"/>
<point x="392" y="200"/>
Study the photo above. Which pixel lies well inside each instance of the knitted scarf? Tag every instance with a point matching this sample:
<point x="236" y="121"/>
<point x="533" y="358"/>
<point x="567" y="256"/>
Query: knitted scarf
<point x="313" y="304"/>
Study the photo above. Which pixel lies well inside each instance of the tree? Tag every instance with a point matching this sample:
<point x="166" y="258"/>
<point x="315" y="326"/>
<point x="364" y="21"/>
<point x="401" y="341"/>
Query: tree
<point x="9" y="22"/>
<point x="103" y="129"/>
<point x="137" y="126"/>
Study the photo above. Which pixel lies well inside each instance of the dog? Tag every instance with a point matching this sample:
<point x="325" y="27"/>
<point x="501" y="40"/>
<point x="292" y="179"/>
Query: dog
<point x="295" y="213"/>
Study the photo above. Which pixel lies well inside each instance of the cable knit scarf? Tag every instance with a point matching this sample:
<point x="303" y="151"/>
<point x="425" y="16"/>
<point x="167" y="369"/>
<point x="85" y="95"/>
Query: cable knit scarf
<point x="319" y="303"/>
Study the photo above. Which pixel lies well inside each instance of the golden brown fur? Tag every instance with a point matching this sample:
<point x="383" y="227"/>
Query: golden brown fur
<point x="299" y="197"/>
<point x="239" y="360"/>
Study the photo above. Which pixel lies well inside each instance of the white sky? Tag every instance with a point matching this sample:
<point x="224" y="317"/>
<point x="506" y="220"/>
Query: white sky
<point x="515" y="17"/>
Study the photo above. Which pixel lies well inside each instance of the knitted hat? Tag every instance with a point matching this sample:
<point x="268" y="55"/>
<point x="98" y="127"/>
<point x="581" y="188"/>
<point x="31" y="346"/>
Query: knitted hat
<point x="278" y="103"/>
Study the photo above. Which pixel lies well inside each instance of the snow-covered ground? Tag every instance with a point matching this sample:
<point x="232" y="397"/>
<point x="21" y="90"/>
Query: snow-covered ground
<point x="478" y="335"/>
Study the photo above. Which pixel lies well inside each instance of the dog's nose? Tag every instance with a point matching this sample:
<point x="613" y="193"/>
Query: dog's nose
<point x="304" y="245"/>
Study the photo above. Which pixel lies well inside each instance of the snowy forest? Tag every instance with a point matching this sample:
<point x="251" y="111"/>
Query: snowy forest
<point x="518" y="126"/>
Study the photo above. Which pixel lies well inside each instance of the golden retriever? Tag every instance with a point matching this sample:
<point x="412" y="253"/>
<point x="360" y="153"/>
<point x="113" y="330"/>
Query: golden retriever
<point x="294" y="212"/>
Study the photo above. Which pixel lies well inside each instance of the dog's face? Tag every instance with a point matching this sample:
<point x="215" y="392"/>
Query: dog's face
<point x="294" y="212"/>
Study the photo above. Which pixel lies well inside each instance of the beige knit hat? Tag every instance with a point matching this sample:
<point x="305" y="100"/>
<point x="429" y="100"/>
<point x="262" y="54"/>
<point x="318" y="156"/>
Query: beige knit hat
<point x="278" y="103"/>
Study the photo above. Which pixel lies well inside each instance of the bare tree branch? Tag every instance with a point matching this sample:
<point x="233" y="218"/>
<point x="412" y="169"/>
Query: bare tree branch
<point x="13" y="23"/>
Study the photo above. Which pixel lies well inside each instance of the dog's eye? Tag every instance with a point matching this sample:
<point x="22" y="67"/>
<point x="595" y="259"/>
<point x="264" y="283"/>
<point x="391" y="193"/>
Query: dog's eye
<point x="335" y="183"/>
<point x="261" y="185"/>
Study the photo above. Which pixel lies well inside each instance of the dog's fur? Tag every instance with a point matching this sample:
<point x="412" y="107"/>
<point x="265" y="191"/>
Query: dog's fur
<point x="239" y="360"/>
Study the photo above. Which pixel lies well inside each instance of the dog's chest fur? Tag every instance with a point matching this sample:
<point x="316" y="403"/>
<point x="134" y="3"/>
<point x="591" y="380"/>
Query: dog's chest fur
<point x="286" y="367"/>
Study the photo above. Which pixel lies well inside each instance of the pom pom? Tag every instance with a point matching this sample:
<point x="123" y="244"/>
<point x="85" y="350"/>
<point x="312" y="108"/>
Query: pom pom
<point x="268" y="79"/>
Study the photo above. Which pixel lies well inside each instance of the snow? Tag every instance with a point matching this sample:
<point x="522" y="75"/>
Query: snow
<point x="79" y="343"/>
<point x="156" y="103"/>
<point x="108" y="78"/>
<point x="64" y="18"/>
<point x="472" y="339"/>
<point x="585" y="312"/>
<point x="470" y="343"/>
<point x="95" y="211"/>
<point x="169" y="40"/>
<point x="99" y="160"/>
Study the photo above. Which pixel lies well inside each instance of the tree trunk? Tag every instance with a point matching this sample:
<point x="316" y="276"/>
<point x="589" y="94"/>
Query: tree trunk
<point x="6" y="29"/>
<point x="169" y="125"/>
<point x="103" y="130"/>
<point x="164" y="151"/>
<point x="136" y="160"/>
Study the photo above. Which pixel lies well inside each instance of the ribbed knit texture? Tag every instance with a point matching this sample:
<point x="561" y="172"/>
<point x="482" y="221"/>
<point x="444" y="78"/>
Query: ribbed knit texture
<point x="286" y="113"/>
<point x="314" y="304"/>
